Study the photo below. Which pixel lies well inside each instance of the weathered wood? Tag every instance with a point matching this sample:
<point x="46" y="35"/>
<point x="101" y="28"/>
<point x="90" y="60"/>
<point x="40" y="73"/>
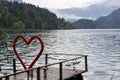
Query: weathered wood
<point x="86" y="65"/>
<point x="38" y="73"/>
<point x="47" y="72"/>
<point x="0" y="68"/>
<point x="46" y="59"/>
<point x="14" y="65"/>
<point x="60" y="70"/>
<point x="28" y="74"/>
<point x="51" y="74"/>
<point x="76" y="77"/>
<point x="7" y="78"/>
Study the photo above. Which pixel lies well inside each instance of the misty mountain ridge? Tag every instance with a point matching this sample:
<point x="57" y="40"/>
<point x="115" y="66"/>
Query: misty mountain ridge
<point x="110" y="21"/>
<point x="93" y="11"/>
<point x="19" y="1"/>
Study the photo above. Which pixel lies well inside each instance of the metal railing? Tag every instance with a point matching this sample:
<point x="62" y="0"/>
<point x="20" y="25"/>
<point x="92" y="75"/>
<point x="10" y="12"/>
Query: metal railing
<point x="38" y="69"/>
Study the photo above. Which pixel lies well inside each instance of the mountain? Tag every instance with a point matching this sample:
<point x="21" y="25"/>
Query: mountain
<point x="14" y="15"/>
<point x="19" y="1"/>
<point x="110" y="21"/>
<point x="85" y="24"/>
<point x="93" y="11"/>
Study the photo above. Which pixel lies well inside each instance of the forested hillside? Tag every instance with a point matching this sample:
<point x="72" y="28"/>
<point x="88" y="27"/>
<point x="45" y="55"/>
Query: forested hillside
<point x="14" y="15"/>
<point x="85" y="24"/>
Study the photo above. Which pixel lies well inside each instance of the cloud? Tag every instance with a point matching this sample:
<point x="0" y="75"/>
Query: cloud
<point x="110" y="2"/>
<point x="82" y="8"/>
<point x="114" y="2"/>
<point x="95" y="10"/>
<point x="60" y="4"/>
<point x="70" y="16"/>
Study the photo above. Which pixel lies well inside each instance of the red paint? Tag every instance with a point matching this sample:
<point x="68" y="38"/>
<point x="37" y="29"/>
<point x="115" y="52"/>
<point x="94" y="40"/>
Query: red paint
<point x="28" y="43"/>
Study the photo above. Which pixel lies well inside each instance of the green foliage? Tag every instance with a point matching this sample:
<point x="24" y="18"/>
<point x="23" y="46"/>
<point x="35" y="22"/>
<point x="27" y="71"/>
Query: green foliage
<point x="1" y="31"/>
<point x="3" y="43"/>
<point x="19" y="25"/>
<point x="2" y="37"/>
<point x="85" y="24"/>
<point x="14" y="15"/>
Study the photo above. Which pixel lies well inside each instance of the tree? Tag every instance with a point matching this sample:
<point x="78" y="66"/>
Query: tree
<point x="19" y="25"/>
<point x="44" y="25"/>
<point x="14" y="15"/>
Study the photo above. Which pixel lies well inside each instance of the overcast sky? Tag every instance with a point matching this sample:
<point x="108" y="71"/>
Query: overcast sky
<point x="59" y="4"/>
<point x="52" y="5"/>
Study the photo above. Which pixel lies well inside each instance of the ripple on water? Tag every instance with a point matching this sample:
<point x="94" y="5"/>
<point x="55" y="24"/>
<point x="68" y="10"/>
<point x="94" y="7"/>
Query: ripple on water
<point x="101" y="46"/>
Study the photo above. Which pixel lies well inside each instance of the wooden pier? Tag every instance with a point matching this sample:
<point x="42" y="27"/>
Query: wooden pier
<point x="47" y="72"/>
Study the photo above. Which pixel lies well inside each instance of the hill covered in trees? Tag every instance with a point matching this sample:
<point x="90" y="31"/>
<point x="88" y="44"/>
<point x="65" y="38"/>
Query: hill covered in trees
<point x="14" y="15"/>
<point x="85" y="24"/>
<point x="22" y="16"/>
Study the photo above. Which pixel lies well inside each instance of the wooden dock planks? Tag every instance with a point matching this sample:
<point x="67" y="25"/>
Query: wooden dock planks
<point x="48" y="74"/>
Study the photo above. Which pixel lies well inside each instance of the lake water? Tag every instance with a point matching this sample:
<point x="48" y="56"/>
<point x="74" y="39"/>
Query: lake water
<point x="101" y="46"/>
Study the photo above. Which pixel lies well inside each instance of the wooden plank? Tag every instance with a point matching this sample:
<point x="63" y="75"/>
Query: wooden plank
<point x="46" y="72"/>
<point x="51" y="74"/>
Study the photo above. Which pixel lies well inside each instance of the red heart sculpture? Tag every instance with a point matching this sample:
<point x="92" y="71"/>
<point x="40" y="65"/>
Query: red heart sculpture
<point x="28" y="42"/>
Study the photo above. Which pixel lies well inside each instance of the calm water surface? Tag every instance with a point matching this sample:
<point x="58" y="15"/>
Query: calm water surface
<point x="101" y="46"/>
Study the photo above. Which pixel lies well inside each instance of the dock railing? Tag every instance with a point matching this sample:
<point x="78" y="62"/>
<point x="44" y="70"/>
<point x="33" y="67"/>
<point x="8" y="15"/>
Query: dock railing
<point x="28" y="74"/>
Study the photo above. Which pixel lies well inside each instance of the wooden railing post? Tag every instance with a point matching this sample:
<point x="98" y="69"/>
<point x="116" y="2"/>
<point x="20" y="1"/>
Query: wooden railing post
<point x="0" y="68"/>
<point x="14" y="66"/>
<point x="28" y="74"/>
<point x="45" y="73"/>
<point x="46" y="59"/>
<point x="60" y="71"/>
<point x="7" y="78"/>
<point x="86" y="64"/>
<point x="38" y="73"/>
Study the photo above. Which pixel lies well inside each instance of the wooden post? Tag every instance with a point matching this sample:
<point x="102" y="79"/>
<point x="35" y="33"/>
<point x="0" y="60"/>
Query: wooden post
<point x="7" y="78"/>
<point x="28" y="74"/>
<point x="31" y="74"/>
<point x="38" y="73"/>
<point x="0" y="68"/>
<point x="45" y="73"/>
<point x="60" y="71"/>
<point x="14" y="66"/>
<point x="46" y="59"/>
<point x="86" y="65"/>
